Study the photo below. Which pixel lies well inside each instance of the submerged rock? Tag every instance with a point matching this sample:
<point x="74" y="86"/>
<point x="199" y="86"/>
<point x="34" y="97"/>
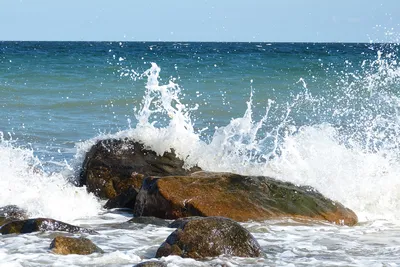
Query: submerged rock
<point x="210" y="237"/>
<point x="69" y="245"/>
<point x="241" y="198"/>
<point x="11" y="213"/>
<point x="149" y="220"/>
<point x="151" y="264"/>
<point x="41" y="225"/>
<point x="112" y="166"/>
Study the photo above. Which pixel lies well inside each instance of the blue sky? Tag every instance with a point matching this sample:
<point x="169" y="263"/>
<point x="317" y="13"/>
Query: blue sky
<point x="201" y="20"/>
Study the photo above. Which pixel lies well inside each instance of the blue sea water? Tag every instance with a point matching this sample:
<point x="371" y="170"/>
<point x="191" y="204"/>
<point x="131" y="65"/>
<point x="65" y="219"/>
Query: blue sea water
<point x="319" y="114"/>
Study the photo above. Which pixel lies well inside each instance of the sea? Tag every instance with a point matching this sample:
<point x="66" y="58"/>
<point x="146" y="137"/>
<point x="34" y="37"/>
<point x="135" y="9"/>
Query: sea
<point x="325" y="115"/>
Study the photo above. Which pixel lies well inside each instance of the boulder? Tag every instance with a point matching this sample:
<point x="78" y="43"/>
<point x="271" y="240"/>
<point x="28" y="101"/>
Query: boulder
<point x="68" y="245"/>
<point x="41" y="225"/>
<point x="151" y="264"/>
<point x="11" y="213"/>
<point x="112" y="166"/>
<point x="241" y="198"/>
<point x="210" y="237"/>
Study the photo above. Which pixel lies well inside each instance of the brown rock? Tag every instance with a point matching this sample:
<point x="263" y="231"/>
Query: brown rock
<point x="112" y="166"/>
<point x="41" y="225"/>
<point x="68" y="245"/>
<point x="210" y="237"/>
<point x="241" y="198"/>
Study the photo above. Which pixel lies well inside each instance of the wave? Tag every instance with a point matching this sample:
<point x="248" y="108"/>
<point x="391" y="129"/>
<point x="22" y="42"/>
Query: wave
<point x="349" y="152"/>
<point x="24" y="183"/>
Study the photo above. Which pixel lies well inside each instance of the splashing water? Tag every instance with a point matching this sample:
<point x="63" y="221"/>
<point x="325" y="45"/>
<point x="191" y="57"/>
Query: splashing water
<point x="24" y="183"/>
<point x="350" y="154"/>
<point x="164" y="100"/>
<point x="351" y="157"/>
<point x="354" y="156"/>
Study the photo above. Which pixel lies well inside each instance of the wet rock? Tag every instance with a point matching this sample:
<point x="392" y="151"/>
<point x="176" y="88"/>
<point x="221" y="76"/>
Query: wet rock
<point x="210" y="237"/>
<point x="150" y="220"/>
<point x="69" y="245"/>
<point x="41" y="225"/>
<point x="138" y="223"/>
<point x="179" y="223"/>
<point x="124" y="200"/>
<point x="241" y="198"/>
<point x="11" y="213"/>
<point x="112" y="166"/>
<point x="151" y="264"/>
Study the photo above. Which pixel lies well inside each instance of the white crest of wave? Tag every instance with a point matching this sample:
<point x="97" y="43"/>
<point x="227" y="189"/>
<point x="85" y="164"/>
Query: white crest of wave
<point x="23" y="183"/>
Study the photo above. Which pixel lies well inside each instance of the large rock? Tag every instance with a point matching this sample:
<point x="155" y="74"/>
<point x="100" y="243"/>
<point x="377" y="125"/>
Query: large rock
<point x="240" y="198"/>
<point x="210" y="237"/>
<point x="68" y="245"/>
<point x="112" y="166"/>
<point x="41" y="225"/>
<point x="11" y="213"/>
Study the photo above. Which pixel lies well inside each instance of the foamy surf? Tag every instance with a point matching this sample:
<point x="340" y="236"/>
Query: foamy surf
<point x="25" y="184"/>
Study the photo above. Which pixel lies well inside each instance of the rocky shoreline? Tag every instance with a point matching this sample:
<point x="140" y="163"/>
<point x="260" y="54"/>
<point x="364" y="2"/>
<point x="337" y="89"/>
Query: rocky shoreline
<point x="206" y="205"/>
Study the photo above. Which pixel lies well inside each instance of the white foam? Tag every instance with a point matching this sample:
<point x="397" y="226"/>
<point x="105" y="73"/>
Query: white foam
<point x="365" y="182"/>
<point x="24" y="183"/>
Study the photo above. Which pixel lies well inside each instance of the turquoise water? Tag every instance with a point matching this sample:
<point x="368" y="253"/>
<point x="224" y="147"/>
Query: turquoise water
<point x="57" y="93"/>
<point x="325" y="115"/>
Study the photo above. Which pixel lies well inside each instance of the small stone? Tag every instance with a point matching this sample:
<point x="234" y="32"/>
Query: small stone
<point x="68" y="245"/>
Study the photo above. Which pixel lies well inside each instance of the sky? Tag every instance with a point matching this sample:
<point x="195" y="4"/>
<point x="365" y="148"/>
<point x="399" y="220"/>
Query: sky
<point x="201" y="20"/>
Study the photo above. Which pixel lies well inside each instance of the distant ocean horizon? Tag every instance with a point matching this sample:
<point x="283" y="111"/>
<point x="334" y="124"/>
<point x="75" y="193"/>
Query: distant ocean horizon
<point x="321" y="114"/>
<point x="194" y="41"/>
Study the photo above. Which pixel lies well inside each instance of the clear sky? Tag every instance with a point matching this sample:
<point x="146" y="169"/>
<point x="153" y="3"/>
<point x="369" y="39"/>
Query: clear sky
<point x="200" y="20"/>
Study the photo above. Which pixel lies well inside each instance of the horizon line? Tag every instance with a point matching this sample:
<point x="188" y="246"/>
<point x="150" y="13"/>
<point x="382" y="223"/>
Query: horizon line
<point x="159" y="41"/>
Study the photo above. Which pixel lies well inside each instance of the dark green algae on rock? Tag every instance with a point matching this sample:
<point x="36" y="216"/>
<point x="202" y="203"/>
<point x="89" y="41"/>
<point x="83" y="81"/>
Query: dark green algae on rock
<point x="41" y="225"/>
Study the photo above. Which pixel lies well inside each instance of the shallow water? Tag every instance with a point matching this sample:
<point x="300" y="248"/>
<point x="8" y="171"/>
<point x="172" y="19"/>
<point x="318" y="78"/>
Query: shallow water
<point x="324" y="115"/>
<point x="284" y="243"/>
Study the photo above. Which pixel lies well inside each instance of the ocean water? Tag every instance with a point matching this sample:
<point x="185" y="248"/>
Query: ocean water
<point x="324" y="115"/>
